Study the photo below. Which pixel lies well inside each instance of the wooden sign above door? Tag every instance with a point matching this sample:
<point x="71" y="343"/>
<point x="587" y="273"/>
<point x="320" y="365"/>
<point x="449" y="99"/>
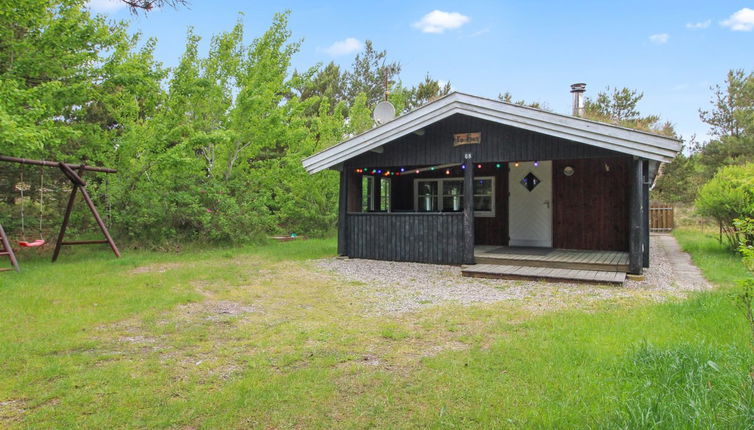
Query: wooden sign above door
<point x="467" y="138"/>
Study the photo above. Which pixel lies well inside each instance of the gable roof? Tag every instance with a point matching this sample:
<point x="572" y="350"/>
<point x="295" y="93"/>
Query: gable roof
<point x="615" y="138"/>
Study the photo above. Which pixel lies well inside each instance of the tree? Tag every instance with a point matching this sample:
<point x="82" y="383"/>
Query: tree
<point x="731" y="122"/>
<point x="732" y="106"/>
<point x="727" y="197"/>
<point x="51" y="61"/>
<point x="507" y="97"/>
<point x="679" y="181"/>
<point x="322" y="83"/>
<point x="620" y="106"/>
<point x="425" y="92"/>
<point x="148" y="5"/>
<point x="371" y="74"/>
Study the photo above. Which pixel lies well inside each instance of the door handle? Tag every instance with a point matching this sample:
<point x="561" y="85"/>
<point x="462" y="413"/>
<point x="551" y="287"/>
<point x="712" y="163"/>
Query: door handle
<point x="546" y="202"/>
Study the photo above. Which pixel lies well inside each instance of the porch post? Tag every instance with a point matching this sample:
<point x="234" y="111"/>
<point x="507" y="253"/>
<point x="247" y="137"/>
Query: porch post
<point x="343" y="212"/>
<point x="645" y="214"/>
<point x="468" y="209"/>
<point x="635" y="218"/>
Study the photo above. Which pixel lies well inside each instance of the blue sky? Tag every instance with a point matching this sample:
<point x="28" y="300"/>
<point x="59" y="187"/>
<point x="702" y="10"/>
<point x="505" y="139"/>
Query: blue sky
<point x="673" y="51"/>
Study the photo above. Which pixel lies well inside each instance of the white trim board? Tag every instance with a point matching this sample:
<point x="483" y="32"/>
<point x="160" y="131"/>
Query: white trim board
<point x="612" y="137"/>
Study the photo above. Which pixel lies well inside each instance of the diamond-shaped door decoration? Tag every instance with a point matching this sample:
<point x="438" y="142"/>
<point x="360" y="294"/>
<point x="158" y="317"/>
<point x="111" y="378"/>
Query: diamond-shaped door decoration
<point x="530" y="181"/>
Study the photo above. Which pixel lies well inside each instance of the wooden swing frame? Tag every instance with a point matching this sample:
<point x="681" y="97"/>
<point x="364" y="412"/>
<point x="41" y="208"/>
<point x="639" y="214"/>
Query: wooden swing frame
<point x="73" y="172"/>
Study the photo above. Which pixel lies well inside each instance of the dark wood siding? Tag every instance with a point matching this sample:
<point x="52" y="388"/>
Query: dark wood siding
<point x="591" y="207"/>
<point x="500" y="143"/>
<point x="424" y="238"/>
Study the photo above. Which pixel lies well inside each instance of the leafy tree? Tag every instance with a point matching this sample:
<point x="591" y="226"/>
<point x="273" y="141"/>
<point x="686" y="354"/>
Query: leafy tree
<point x="727" y="197"/>
<point x="50" y="65"/>
<point x="678" y="181"/>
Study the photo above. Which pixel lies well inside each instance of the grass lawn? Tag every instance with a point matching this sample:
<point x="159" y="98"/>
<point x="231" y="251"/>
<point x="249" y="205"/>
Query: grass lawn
<point x="256" y="337"/>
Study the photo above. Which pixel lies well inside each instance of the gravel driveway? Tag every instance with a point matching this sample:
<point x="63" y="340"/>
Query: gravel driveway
<point x="388" y="287"/>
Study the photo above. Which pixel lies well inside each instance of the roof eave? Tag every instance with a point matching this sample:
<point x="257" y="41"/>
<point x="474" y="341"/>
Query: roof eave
<point x="620" y="139"/>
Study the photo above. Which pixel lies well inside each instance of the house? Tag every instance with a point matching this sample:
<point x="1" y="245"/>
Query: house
<point x="464" y="175"/>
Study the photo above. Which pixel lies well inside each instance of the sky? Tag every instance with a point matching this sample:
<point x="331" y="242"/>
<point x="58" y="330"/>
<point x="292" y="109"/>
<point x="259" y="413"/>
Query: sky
<point x="672" y="51"/>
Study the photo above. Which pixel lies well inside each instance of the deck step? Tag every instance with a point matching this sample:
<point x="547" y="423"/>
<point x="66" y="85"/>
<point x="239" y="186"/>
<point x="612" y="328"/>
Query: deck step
<point x="500" y="271"/>
<point x="607" y="261"/>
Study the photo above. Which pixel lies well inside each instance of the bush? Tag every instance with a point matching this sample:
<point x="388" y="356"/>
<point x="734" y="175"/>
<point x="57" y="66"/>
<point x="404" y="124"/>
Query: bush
<point x="727" y="197"/>
<point x="745" y="228"/>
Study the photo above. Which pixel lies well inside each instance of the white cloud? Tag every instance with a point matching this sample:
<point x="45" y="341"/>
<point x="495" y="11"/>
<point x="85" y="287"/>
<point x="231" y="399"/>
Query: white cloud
<point x="438" y="21"/>
<point x="105" y="6"/>
<point x="698" y="25"/>
<point x="743" y="20"/>
<point x="344" y="47"/>
<point x="659" y="39"/>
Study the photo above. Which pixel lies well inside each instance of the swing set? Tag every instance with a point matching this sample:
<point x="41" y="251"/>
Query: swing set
<point x="73" y="172"/>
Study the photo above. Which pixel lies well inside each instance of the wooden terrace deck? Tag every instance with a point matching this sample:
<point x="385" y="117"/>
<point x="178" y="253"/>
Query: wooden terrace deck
<point x="549" y="264"/>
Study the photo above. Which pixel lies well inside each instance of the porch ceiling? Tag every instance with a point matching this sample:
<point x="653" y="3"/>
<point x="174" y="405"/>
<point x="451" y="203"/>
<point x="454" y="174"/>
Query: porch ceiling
<point x="619" y="139"/>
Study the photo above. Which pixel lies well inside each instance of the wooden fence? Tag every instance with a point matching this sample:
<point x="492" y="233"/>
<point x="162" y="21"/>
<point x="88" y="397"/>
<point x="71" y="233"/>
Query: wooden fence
<point x="661" y="218"/>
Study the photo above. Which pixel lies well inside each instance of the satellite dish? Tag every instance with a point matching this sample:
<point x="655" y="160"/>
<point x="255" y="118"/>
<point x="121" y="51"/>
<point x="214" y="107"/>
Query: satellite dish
<point x="384" y="112"/>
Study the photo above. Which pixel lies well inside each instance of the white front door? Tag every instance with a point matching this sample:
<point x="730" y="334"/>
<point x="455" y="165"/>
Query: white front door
<point x="530" y="202"/>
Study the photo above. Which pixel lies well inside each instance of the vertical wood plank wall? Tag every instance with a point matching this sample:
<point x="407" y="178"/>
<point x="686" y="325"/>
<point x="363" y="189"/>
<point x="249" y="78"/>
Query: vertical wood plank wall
<point x="500" y="143"/>
<point x="591" y="206"/>
<point x="416" y="237"/>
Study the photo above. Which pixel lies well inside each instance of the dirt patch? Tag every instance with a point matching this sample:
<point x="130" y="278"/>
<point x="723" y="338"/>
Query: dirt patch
<point x="156" y="268"/>
<point x="213" y="310"/>
<point x="12" y="411"/>
<point x="448" y="346"/>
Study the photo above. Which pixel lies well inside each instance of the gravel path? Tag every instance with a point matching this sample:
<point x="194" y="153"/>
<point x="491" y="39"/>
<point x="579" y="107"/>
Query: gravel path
<point x="388" y="287"/>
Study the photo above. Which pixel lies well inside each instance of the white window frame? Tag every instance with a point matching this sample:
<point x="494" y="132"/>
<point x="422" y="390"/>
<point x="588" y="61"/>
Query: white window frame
<point x="441" y="192"/>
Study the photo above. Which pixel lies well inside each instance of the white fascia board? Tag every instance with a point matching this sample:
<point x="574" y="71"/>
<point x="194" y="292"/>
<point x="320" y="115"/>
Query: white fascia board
<point x="612" y="143"/>
<point x="607" y="136"/>
<point x="377" y="137"/>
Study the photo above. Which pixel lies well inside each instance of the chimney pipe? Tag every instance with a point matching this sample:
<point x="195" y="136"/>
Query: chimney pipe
<point x="578" y="98"/>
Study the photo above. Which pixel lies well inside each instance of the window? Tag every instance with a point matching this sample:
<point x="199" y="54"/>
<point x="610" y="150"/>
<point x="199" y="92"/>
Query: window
<point x="367" y="194"/>
<point x="426" y="196"/>
<point x="446" y="195"/>
<point x="369" y="198"/>
<point x="385" y="194"/>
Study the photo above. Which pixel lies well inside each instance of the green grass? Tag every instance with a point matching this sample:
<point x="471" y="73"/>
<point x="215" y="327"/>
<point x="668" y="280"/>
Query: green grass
<point x="719" y="265"/>
<point x="254" y="337"/>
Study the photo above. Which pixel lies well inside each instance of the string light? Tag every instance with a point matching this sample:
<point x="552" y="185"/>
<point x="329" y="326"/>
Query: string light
<point x="478" y="166"/>
<point x="536" y="164"/>
<point x="516" y="164"/>
<point x="402" y="169"/>
<point x="417" y="171"/>
<point x="447" y="171"/>
<point x="463" y="166"/>
<point x="497" y="165"/>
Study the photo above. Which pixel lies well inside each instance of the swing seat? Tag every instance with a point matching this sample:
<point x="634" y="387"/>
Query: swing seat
<point x="36" y="243"/>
